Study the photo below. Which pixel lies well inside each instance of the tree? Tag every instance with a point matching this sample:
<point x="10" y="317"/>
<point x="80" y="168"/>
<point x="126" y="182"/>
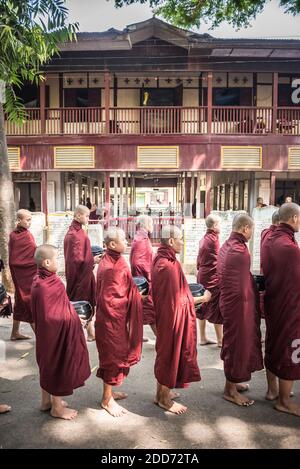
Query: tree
<point x="30" y="31"/>
<point x="190" y="13"/>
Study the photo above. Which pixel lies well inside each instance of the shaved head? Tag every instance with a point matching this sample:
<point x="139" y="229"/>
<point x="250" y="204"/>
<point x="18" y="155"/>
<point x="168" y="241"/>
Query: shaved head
<point x="113" y="234"/>
<point x="240" y="221"/>
<point x="43" y="252"/>
<point x="170" y="231"/>
<point x="275" y="218"/>
<point x="22" y="213"/>
<point x="211" y="220"/>
<point x="288" y="211"/>
<point x="81" y="209"/>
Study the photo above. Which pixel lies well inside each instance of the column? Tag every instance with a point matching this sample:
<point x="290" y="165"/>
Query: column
<point x="106" y="100"/>
<point x="207" y="193"/>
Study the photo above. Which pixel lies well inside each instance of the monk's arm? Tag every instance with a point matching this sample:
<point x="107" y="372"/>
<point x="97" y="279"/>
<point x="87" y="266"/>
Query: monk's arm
<point x="205" y="298"/>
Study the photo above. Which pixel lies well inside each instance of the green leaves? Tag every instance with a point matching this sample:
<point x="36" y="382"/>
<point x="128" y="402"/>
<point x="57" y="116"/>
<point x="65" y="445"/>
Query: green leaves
<point x="30" y="33"/>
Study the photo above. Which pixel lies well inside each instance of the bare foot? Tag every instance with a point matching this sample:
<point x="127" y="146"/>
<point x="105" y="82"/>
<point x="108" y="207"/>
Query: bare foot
<point x="19" y="337"/>
<point x="173" y="395"/>
<point x="145" y="339"/>
<point x="47" y="405"/>
<point x="91" y="338"/>
<point x="4" y="408"/>
<point x="113" y="408"/>
<point x="290" y="408"/>
<point x="242" y="387"/>
<point x="208" y="342"/>
<point x="118" y="396"/>
<point x="272" y="395"/>
<point x="220" y="344"/>
<point x="63" y="413"/>
<point x="173" y="407"/>
<point x="239" y="400"/>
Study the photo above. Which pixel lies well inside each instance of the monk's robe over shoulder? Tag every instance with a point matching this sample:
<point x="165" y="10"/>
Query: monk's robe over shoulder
<point x="207" y="276"/>
<point x="79" y="263"/>
<point x="176" y="344"/>
<point x="266" y="233"/>
<point x="23" y="269"/>
<point x="141" y="257"/>
<point x="119" y="325"/>
<point x="61" y="349"/>
<point x="241" y="349"/>
<point x="281" y="266"/>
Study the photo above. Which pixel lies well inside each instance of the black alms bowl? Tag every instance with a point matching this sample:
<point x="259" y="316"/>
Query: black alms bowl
<point x="197" y="290"/>
<point x="260" y="281"/>
<point x="83" y="309"/>
<point x="97" y="250"/>
<point x="142" y="284"/>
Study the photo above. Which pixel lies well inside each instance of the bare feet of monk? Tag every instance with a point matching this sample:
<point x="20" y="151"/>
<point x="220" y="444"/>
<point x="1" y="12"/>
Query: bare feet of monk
<point x="19" y="336"/>
<point x="272" y="396"/>
<point x="173" y="395"/>
<point x="238" y="399"/>
<point x="45" y="406"/>
<point x="118" y="396"/>
<point x="4" y="408"/>
<point x="242" y="387"/>
<point x="63" y="413"/>
<point x="113" y="408"/>
<point x="208" y="342"/>
<point x="288" y="408"/>
<point x="172" y="406"/>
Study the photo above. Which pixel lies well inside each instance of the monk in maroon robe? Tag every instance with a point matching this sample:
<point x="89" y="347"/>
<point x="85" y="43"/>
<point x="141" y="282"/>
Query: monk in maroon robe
<point x="79" y="263"/>
<point x="209" y="248"/>
<point x="176" y="344"/>
<point x="268" y="231"/>
<point x="280" y="259"/>
<point x="23" y="269"/>
<point x="61" y="350"/>
<point x="239" y="305"/>
<point x="119" y="323"/>
<point x="141" y="258"/>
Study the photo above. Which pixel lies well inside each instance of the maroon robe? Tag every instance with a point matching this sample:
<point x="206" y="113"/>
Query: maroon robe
<point x="241" y="349"/>
<point x="141" y="257"/>
<point x="281" y="267"/>
<point x="79" y="264"/>
<point x="23" y="269"/>
<point x="176" y="343"/>
<point x="119" y="324"/>
<point x="207" y="276"/>
<point x="61" y="350"/>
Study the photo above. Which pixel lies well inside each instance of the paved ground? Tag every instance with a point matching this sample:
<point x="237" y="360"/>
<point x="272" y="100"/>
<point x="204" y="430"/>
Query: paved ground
<point x="209" y="423"/>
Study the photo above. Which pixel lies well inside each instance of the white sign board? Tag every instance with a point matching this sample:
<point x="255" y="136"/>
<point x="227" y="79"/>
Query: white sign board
<point x="58" y="225"/>
<point x="37" y="227"/>
<point x="262" y="219"/>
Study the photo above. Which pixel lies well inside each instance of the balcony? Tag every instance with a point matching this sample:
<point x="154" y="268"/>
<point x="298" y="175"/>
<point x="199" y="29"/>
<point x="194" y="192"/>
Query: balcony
<point x="176" y="120"/>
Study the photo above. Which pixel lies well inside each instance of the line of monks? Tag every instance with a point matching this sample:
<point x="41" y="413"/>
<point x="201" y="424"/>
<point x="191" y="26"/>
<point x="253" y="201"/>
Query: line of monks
<point x="231" y="301"/>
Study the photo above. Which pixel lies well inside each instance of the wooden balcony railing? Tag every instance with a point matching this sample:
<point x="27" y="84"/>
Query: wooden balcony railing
<point x="238" y="120"/>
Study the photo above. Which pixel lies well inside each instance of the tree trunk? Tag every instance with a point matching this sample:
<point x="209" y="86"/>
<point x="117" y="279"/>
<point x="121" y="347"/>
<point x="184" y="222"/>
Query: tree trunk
<point x="7" y="204"/>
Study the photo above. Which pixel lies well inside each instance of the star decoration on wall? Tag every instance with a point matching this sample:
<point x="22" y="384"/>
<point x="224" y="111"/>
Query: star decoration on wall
<point x="69" y="81"/>
<point x="168" y="80"/>
<point x="147" y="81"/>
<point x="178" y="80"/>
<point x="219" y="80"/>
<point x="236" y="80"/>
<point x="189" y="80"/>
<point x="126" y="80"/>
<point x="137" y="81"/>
<point x="80" y="81"/>
<point x="245" y="80"/>
<point x="95" y="81"/>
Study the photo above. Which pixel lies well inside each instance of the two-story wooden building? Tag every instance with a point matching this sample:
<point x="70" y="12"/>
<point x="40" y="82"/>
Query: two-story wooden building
<point x="155" y="109"/>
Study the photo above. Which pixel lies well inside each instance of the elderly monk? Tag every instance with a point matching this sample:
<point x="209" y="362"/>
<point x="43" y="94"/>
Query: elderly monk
<point x="23" y="269"/>
<point x="119" y="324"/>
<point x="239" y="305"/>
<point x="268" y="231"/>
<point x="281" y="267"/>
<point x="79" y="263"/>
<point x="141" y="257"/>
<point x="209" y="247"/>
<point x="176" y="344"/>
<point x="61" y="350"/>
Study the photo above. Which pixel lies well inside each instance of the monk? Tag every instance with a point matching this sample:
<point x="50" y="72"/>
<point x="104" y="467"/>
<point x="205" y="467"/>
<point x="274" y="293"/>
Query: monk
<point x="281" y="267"/>
<point x="268" y="231"/>
<point x="119" y="323"/>
<point x="79" y="263"/>
<point x="207" y="276"/>
<point x="176" y="344"/>
<point x="141" y="257"/>
<point x="23" y="269"/>
<point x="61" y="350"/>
<point x="239" y="305"/>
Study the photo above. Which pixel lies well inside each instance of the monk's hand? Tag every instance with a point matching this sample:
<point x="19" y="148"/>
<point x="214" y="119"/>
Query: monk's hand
<point x="97" y="259"/>
<point x="144" y="297"/>
<point x="202" y="299"/>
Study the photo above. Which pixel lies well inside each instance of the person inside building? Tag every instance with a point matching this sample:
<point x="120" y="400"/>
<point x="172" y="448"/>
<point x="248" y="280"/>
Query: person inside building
<point x="119" y="324"/>
<point x="260" y="202"/>
<point x="241" y="348"/>
<point x="23" y="269"/>
<point x="176" y="344"/>
<point x="280" y="258"/>
<point x="94" y="216"/>
<point x="88" y="203"/>
<point x="288" y="199"/>
<point x="209" y="247"/>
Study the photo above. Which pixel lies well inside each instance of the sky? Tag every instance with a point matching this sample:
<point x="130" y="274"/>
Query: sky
<point x="100" y="15"/>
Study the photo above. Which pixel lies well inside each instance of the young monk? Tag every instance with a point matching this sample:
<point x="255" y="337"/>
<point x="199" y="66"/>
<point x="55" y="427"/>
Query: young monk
<point x="23" y="269"/>
<point x="119" y="323"/>
<point x="176" y="344"/>
<point x="268" y="231"/>
<point x="281" y="267"/>
<point x="79" y="263"/>
<point x="209" y="248"/>
<point x="141" y="257"/>
<point x="241" y="348"/>
<point x="61" y="350"/>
